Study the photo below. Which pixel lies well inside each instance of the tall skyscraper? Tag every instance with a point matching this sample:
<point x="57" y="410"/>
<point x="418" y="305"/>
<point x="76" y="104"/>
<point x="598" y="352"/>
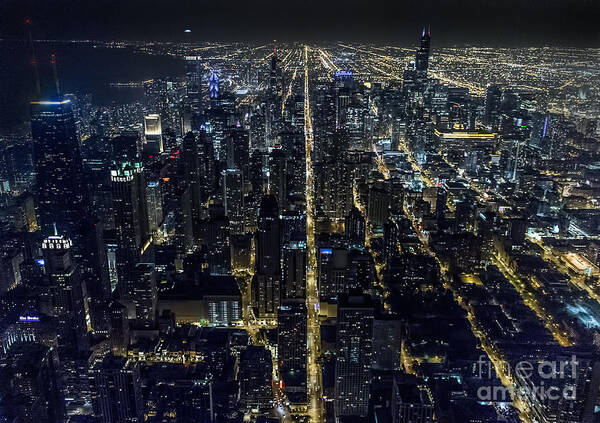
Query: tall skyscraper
<point x="155" y="207"/>
<point x="193" y="178"/>
<point x="255" y="378"/>
<point x="237" y="152"/>
<point x="213" y="86"/>
<point x="233" y="199"/>
<point x="278" y="177"/>
<point x="153" y="142"/>
<point x="131" y="222"/>
<point x="267" y="277"/>
<point x="422" y="55"/>
<point x="60" y="193"/>
<point x="355" y="228"/>
<point x="354" y="347"/>
<point x="145" y="296"/>
<point x="493" y="101"/>
<point x="67" y="294"/>
<point x="291" y="347"/>
<point x="119" y="328"/>
<point x="117" y="390"/>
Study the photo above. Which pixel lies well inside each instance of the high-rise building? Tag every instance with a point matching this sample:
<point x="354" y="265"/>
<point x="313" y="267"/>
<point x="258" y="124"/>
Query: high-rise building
<point x="119" y="328"/>
<point x="422" y="55"/>
<point x="145" y="296"/>
<point x="255" y="378"/>
<point x="294" y="270"/>
<point x="267" y="277"/>
<point x="67" y="294"/>
<point x="213" y="86"/>
<point x="355" y="228"/>
<point x="153" y="142"/>
<point x="207" y="171"/>
<point x="387" y="339"/>
<point x="278" y="177"/>
<point x="193" y="178"/>
<point x="378" y="207"/>
<point x="237" y="151"/>
<point x="117" y="390"/>
<point x="60" y="193"/>
<point x="30" y="385"/>
<point x="154" y="205"/>
<point x="354" y="348"/>
<point x="233" y="198"/>
<point x="131" y="222"/>
<point x="333" y="269"/>
<point x="493" y="101"/>
<point x="291" y="347"/>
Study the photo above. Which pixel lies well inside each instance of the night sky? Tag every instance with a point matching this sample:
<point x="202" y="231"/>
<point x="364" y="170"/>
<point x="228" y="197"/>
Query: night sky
<point x="492" y="22"/>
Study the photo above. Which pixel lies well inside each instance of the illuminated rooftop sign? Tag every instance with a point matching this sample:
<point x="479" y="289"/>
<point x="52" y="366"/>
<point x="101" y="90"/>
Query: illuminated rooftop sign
<point x="326" y="251"/>
<point x="343" y="74"/>
<point x="29" y="319"/>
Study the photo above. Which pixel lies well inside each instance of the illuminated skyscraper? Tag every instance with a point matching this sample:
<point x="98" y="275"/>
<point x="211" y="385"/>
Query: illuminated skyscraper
<point x="422" y="56"/>
<point x="60" y="189"/>
<point x="131" y="222"/>
<point x="67" y="294"/>
<point x="153" y="142"/>
<point x="233" y="199"/>
<point x="493" y="100"/>
<point x="145" y="296"/>
<point x="154" y="202"/>
<point x="213" y="86"/>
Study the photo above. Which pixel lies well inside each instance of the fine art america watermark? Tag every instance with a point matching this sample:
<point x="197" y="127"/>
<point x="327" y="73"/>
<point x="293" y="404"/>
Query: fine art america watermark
<point x="544" y="380"/>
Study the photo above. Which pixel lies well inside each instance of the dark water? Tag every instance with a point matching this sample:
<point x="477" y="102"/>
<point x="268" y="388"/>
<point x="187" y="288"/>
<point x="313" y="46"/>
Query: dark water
<point x="82" y="69"/>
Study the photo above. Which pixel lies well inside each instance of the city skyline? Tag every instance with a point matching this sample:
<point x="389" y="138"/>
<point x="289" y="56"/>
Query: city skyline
<point x="298" y="231"/>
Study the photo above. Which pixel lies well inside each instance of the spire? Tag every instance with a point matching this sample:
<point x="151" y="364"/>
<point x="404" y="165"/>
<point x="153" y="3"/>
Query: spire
<point x="275" y="47"/>
<point x="429" y="31"/>
<point x="55" y="230"/>
<point x="423" y="33"/>
<point x="53" y="63"/>
<point x="36" y="74"/>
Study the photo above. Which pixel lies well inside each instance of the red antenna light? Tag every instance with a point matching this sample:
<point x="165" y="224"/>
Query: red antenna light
<point x="53" y="63"/>
<point x="36" y="74"/>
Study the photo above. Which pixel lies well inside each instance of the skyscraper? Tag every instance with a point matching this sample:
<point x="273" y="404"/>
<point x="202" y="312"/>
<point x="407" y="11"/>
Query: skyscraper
<point x="131" y="222"/>
<point x="193" y="178"/>
<point x="145" y="296"/>
<point x="255" y="376"/>
<point x="354" y="347"/>
<point x="153" y="142"/>
<point x="116" y="390"/>
<point x="67" y="294"/>
<point x="267" y="278"/>
<point x="493" y="101"/>
<point x="422" y="55"/>
<point x="61" y="197"/>
<point x="233" y="199"/>
<point x="291" y="343"/>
